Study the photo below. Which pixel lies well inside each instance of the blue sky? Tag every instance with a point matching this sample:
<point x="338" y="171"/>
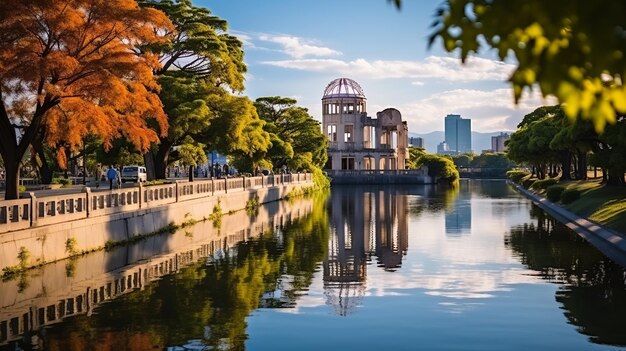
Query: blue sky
<point x="295" y="48"/>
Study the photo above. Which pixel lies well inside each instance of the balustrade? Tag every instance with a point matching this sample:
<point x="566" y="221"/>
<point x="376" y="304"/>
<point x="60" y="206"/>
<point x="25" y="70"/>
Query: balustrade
<point x="31" y="212"/>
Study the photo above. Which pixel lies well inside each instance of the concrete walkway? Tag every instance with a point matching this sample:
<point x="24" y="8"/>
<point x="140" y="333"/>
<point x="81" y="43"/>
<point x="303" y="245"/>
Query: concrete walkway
<point x="609" y="242"/>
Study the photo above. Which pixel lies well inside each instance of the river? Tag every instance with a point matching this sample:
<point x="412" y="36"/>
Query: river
<point x="363" y="267"/>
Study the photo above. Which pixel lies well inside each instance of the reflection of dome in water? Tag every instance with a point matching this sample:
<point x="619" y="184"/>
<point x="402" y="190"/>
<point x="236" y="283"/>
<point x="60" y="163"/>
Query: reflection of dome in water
<point x="343" y="87"/>
<point x="344" y="297"/>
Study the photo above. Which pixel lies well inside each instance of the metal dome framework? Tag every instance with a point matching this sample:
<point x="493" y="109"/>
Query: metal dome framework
<point x="343" y="87"/>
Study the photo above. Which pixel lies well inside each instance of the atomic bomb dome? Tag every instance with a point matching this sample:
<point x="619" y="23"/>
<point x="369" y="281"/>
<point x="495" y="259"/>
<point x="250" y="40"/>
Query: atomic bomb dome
<point x="357" y="141"/>
<point x="343" y="87"/>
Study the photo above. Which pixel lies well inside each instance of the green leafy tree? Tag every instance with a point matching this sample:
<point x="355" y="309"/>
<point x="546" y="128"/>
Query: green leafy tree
<point x="414" y="154"/>
<point x="191" y="153"/>
<point x="611" y="155"/>
<point x="530" y="144"/>
<point x="463" y="160"/>
<point x="573" y="50"/>
<point x="297" y="139"/>
<point x="441" y="168"/>
<point x="200" y="65"/>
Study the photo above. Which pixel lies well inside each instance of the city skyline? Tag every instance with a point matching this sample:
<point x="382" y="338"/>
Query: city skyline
<point x="296" y="49"/>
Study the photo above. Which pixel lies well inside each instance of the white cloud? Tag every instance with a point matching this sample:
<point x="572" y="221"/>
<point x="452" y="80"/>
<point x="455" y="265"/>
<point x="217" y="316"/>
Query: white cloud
<point x="490" y="110"/>
<point x="446" y="68"/>
<point x="298" y="47"/>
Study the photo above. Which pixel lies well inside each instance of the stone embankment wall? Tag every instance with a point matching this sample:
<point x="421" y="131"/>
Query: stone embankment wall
<point x="609" y="242"/>
<point x="90" y="222"/>
<point x="65" y="289"/>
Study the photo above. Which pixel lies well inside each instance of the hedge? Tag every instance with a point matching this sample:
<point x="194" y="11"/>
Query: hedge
<point x="553" y="193"/>
<point x="544" y="183"/>
<point x="570" y="195"/>
<point x="516" y="175"/>
<point x="527" y="183"/>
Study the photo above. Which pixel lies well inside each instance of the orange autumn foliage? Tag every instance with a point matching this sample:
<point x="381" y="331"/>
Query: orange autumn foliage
<point x="71" y="68"/>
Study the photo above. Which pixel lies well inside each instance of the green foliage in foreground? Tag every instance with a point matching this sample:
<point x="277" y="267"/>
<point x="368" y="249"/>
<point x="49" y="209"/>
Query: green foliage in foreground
<point x="564" y="48"/>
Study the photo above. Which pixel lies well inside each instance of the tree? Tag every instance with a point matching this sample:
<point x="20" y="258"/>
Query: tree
<point x="70" y="68"/>
<point x="297" y="139"/>
<point x="414" y="154"/>
<point x="201" y="62"/>
<point x="531" y="142"/>
<point x="573" y="50"/>
<point x="191" y="154"/>
<point x="463" y="160"/>
<point x="440" y="168"/>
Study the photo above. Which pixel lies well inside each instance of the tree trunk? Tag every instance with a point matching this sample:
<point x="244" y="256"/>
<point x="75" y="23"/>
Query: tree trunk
<point x="161" y="157"/>
<point x="191" y="173"/>
<point x="616" y="177"/>
<point x="12" y="178"/>
<point x="566" y="165"/>
<point x="582" y="165"/>
<point x="148" y="160"/>
<point x="45" y="172"/>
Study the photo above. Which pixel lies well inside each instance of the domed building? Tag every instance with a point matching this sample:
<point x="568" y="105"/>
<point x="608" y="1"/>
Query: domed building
<point x="357" y="141"/>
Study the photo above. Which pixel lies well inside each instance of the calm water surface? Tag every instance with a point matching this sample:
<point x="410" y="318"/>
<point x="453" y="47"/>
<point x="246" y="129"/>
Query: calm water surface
<point x="369" y="268"/>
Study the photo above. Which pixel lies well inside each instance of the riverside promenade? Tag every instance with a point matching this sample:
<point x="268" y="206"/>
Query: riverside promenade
<point x="41" y="229"/>
<point x="609" y="242"/>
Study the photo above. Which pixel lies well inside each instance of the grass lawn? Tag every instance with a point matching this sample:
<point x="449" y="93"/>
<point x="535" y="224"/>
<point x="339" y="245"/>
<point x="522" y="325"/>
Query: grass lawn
<point x="600" y="203"/>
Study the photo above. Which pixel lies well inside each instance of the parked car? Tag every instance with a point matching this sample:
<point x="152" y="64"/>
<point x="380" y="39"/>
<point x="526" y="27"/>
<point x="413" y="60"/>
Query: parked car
<point x="134" y="174"/>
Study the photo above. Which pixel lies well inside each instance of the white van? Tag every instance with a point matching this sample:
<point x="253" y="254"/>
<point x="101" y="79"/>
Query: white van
<point x="134" y="174"/>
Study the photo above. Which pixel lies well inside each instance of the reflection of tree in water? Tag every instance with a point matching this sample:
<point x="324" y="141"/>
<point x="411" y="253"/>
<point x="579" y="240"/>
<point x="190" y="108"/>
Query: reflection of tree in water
<point x="593" y="294"/>
<point x="215" y="296"/>
<point x="439" y="199"/>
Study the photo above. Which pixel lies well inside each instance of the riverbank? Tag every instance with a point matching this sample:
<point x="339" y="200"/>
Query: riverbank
<point x="69" y="225"/>
<point x="609" y="241"/>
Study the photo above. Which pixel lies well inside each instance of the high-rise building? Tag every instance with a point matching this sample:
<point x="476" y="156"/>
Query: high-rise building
<point x="497" y="142"/>
<point x="458" y="132"/>
<point x="416" y="142"/>
<point x="442" y="148"/>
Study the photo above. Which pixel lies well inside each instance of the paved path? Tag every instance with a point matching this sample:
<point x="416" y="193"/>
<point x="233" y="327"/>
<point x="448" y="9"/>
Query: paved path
<point x="609" y="242"/>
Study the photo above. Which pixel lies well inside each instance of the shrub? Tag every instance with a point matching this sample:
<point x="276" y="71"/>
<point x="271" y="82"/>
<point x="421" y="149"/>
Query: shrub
<point x="553" y="193"/>
<point x="544" y="183"/>
<point x="516" y="175"/>
<point x="570" y="195"/>
<point x="528" y="182"/>
<point x="66" y="182"/>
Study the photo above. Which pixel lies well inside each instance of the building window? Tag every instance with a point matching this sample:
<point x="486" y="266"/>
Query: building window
<point x="332" y="132"/>
<point x="348" y="133"/>
<point x="347" y="108"/>
<point x="347" y="163"/>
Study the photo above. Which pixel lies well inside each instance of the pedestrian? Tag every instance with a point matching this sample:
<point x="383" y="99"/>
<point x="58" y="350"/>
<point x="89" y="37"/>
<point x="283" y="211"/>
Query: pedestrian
<point x="111" y="176"/>
<point x="118" y="178"/>
<point x="226" y="170"/>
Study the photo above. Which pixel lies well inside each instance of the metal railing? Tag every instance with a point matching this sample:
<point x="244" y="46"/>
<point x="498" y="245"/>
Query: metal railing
<point x="38" y="211"/>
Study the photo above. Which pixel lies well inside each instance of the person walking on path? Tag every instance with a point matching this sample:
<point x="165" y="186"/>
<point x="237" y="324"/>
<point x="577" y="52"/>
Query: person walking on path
<point x="118" y="178"/>
<point x="111" y="176"/>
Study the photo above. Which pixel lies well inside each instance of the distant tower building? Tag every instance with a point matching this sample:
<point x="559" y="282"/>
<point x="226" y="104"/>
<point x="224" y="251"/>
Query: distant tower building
<point x="357" y="141"/>
<point x="497" y="142"/>
<point x="442" y="148"/>
<point x="458" y="134"/>
<point x="416" y="142"/>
